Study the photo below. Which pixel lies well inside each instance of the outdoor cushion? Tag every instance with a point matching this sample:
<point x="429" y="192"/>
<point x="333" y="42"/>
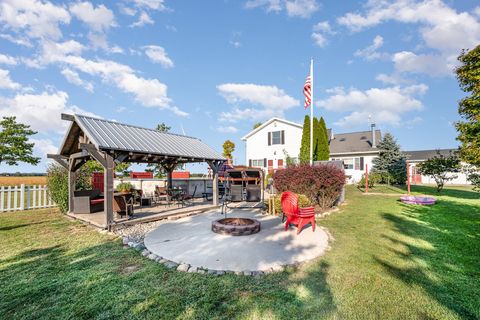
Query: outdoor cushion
<point x="95" y="201"/>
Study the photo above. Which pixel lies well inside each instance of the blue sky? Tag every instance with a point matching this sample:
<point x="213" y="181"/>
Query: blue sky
<point x="212" y="69"/>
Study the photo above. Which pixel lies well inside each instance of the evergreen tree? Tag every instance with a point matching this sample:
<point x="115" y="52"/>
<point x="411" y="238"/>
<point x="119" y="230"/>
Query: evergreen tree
<point x="468" y="75"/>
<point x="316" y="138"/>
<point x="323" y="150"/>
<point x="390" y="163"/>
<point x="304" y="156"/>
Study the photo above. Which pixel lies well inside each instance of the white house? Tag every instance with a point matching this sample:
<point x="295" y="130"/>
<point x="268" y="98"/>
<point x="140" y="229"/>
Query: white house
<point x="268" y="145"/>
<point x="416" y="157"/>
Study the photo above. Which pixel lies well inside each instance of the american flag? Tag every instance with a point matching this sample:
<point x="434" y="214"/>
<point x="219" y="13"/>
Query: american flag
<point x="307" y="91"/>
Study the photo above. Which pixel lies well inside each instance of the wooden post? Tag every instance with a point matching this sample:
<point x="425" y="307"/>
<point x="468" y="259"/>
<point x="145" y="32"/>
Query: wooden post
<point x="215" y="165"/>
<point x="108" y="189"/>
<point x="71" y="186"/>
<point x="366" y="178"/>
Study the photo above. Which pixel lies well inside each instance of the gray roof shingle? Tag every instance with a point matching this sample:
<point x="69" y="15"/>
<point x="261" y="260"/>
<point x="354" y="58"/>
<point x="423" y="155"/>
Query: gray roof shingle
<point x="354" y="142"/>
<point x="421" y="155"/>
<point x="110" y="135"/>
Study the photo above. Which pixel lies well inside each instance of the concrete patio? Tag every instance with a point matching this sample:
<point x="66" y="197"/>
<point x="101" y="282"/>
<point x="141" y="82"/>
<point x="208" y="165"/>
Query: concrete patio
<point x="190" y="240"/>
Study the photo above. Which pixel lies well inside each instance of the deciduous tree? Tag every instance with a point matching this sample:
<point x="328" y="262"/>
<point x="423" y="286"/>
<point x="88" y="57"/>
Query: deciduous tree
<point x="468" y="75"/>
<point x="441" y="168"/>
<point x="228" y="148"/>
<point x="14" y="145"/>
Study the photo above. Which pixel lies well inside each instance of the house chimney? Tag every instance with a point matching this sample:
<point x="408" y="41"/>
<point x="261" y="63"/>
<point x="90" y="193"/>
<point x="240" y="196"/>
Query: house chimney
<point x="374" y="143"/>
<point x="331" y="134"/>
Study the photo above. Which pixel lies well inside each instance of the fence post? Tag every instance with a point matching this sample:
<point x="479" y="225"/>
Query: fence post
<point x="9" y="197"/>
<point x="34" y="197"/>
<point x="2" y="198"/>
<point x="44" y="196"/>
<point x="22" y="197"/>
<point x="28" y="197"/>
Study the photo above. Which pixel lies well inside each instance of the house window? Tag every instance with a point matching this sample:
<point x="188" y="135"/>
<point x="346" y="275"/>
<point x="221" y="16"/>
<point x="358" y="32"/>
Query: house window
<point x="357" y="164"/>
<point x="257" y="162"/>
<point x="348" y="163"/>
<point x="276" y="137"/>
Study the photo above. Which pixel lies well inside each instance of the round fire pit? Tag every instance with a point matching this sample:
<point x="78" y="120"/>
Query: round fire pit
<point x="236" y="226"/>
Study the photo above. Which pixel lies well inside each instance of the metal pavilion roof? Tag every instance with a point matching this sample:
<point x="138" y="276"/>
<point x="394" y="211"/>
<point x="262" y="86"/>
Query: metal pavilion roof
<point x="109" y="135"/>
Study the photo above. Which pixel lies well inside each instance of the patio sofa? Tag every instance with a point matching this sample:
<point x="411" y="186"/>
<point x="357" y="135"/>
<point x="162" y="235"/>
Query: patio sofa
<point x="87" y="201"/>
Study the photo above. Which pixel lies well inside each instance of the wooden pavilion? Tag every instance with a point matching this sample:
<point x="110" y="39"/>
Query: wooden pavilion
<point x="111" y="143"/>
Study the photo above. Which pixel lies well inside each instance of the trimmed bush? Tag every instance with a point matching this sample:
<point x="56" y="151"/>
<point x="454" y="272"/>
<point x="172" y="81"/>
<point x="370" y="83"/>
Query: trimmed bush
<point x="321" y="184"/>
<point x="303" y="201"/>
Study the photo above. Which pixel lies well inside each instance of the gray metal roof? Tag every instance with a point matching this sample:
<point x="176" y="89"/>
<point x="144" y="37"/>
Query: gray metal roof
<point x="422" y="155"/>
<point x="110" y="135"/>
<point x="354" y="142"/>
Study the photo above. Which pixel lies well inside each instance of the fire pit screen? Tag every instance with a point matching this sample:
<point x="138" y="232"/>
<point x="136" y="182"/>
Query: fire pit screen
<point x="236" y="226"/>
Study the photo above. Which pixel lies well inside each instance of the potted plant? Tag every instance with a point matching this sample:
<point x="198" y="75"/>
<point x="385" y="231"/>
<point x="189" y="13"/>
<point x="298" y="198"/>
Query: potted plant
<point x="125" y="187"/>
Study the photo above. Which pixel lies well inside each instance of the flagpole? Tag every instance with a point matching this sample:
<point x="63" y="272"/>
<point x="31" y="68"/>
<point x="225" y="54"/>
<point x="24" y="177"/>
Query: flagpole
<point x="311" y="113"/>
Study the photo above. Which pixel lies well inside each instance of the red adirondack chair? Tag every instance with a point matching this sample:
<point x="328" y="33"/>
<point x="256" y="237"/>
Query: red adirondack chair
<point x="295" y="215"/>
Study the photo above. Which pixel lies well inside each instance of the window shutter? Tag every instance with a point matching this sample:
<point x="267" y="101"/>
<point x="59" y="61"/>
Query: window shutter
<point x="283" y="136"/>
<point x="250" y="162"/>
<point x="264" y="162"/>
<point x="269" y="138"/>
<point x="361" y="163"/>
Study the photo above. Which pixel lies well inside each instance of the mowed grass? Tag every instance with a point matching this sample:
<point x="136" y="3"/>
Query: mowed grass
<point x="16" y="181"/>
<point x="387" y="261"/>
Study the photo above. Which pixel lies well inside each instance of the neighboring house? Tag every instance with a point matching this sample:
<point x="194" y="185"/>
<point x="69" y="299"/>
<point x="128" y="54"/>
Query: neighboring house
<point x="416" y="157"/>
<point x="268" y="145"/>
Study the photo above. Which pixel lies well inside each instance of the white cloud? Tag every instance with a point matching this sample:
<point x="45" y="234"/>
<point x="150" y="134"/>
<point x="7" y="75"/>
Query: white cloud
<point x="272" y="100"/>
<point x="75" y="79"/>
<point x="386" y="104"/>
<point x="151" y="4"/>
<point x="17" y="40"/>
<point x="39" y="19"/>
<point x="301" y="8"/>
<point x="148" y="92"/>
<point x="8" y="60"/>
<point x="157" y="54"/>
<point x="394" y="79"/>
<point x="293" y="8"/>
<point x="99" y="19"/>
<point x="227" y="129"/>
<point x="43" y="147"/>
<point x="142" y="20"/>
<point x="444" y="30"/>
<point x="115" y="49"/>
<point x="434" y="65"/>
<point x="320" y="30"/>
<point x="370" y="52"/>
<point x="40" y="111"/>
<point x="6" y="82"/>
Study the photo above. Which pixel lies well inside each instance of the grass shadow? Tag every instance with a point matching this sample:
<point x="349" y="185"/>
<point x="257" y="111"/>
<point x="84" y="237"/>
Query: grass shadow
<point x="436" y="248"/>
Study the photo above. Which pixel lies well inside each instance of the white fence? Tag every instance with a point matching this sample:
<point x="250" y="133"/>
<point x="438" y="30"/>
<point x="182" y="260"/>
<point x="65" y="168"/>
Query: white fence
<point x="13" y="198"/>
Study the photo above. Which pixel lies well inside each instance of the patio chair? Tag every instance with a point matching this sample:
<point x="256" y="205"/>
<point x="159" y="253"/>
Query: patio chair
<point x="236" y="192"/>
<point x="123" y="205"/>
<point x="87" y="201"/>
<point x="295" y="215"/>
<point x="254" y="193"/>
<point x="187" y="197"/>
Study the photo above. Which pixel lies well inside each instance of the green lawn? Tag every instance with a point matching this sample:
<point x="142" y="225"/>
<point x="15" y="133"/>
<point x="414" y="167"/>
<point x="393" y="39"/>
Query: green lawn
<point x="388" y="260"/>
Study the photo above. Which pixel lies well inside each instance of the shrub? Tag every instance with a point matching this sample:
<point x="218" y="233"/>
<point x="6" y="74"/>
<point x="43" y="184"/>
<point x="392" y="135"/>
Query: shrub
<point x="57" y="184"/>
<point x="125" y="187"/>
<point x="373" y="179"/>
<point x="321" y="184"/>
<point x="303" y="201"/>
